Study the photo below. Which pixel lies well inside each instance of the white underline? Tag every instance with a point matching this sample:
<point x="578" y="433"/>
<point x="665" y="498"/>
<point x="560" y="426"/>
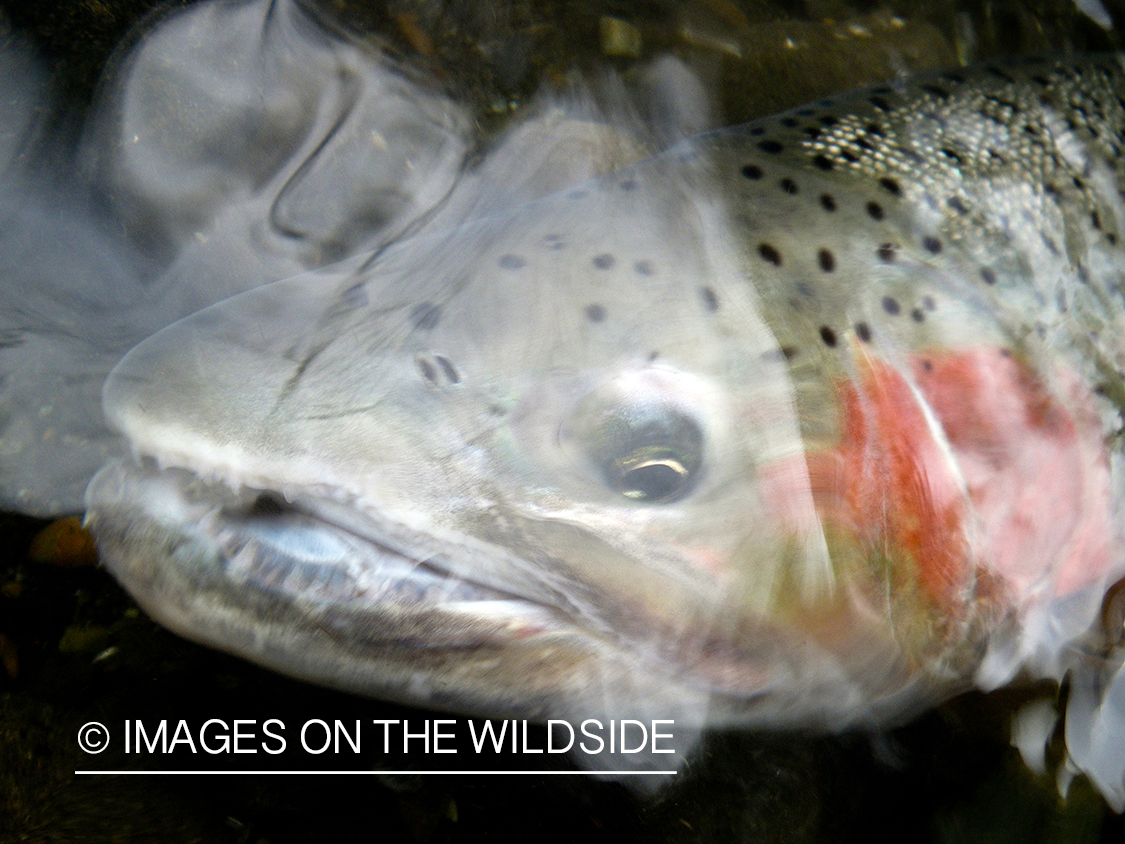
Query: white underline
<point x="405" y="773"/>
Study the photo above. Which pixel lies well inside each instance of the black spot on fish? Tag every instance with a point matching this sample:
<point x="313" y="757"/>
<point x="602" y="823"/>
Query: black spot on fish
<point x="849" y="156"/>
<point x="604" y="261"/>
<point x="789" y="122"/>
<point x="644" y="268"/>
<point x="757" y="130"/>
<point x="891" y="186"/>
<point x="710" y="300"/>
<point x="957" y="205"/>
<point x="874" y="129"/>
<point x="879" y="103"/>
<point x="1031" y="130"/>
<point x="1041" y="80"/>
<point x="355" y="296"/>
<point x="826" y="260"/>
<point x="510" y="262"/>
<point x="917" y="315"/>
<point x="928" y="303"/>
<point x="554" y="241"/>
<point x="931" y="245"/>
<point x="954" y="77"/>
<point x="812" y="131"/>
<point x="788" y="186"/>
<point x="890" y="305"/>
<point x="928" y="365"/>
<point x="770" y="254"/>
<point x="875" y="210"/>
<point x="987" y="275"/>
<point x="828" y="120"/>
<point x="752" y="171"/>
<point x="828" y="336"/>
<point x="789" y="352"/>
<point x="886" y="252"/>
<point x="772" y="147"/>
<point x="595" y="313"/>
<point x="427" y="369"/>
<point x="425" y="316"/>
<point x="951" y="154"/>
<point x="828" y="202"/>
<point x="629" y="184"/>
<point x="1095" y="220"/>
<point x="863" y="332"/>
<point x="936" y="90"/>
<point x="823" y="162"/>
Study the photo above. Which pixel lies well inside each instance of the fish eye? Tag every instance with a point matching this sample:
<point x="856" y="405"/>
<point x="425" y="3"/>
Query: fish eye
<point x="649" y="453"/>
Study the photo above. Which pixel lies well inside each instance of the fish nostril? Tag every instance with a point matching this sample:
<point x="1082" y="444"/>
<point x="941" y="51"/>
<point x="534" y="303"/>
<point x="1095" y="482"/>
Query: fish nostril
<point x="437" y="370"/>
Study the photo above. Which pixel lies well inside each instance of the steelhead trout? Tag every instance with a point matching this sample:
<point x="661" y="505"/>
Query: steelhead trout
<point x="811" y="422"/>
<point x="814" y="421"/>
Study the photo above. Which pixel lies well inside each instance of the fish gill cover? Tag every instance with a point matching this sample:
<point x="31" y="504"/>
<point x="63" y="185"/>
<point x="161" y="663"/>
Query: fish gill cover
<point x="810" y="422"/>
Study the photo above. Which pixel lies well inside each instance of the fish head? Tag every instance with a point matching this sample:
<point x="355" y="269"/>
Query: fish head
<point x="523" y="443"/>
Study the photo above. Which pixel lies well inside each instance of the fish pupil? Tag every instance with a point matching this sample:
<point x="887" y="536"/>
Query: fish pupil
<point x="644" y="476"/>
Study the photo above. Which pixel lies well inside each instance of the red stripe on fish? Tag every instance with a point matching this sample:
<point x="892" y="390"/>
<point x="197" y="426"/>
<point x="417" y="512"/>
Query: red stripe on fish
<point x="969" y="464"/>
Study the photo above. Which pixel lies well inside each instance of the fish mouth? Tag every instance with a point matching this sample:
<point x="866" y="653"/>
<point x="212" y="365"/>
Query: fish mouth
<point x="310" y="587"/>
<point x="319" y="589"/>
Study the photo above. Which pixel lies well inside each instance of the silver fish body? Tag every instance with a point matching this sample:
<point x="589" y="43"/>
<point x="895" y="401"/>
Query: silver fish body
<point x="808" y="422"/>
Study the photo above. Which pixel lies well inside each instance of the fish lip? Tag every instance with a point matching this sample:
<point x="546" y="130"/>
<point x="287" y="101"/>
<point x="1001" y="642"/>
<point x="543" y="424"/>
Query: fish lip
<point x="380" y="568"/>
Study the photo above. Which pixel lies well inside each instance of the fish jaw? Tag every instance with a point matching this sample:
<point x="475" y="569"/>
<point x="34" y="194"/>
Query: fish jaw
<point x="320" y="602"/>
